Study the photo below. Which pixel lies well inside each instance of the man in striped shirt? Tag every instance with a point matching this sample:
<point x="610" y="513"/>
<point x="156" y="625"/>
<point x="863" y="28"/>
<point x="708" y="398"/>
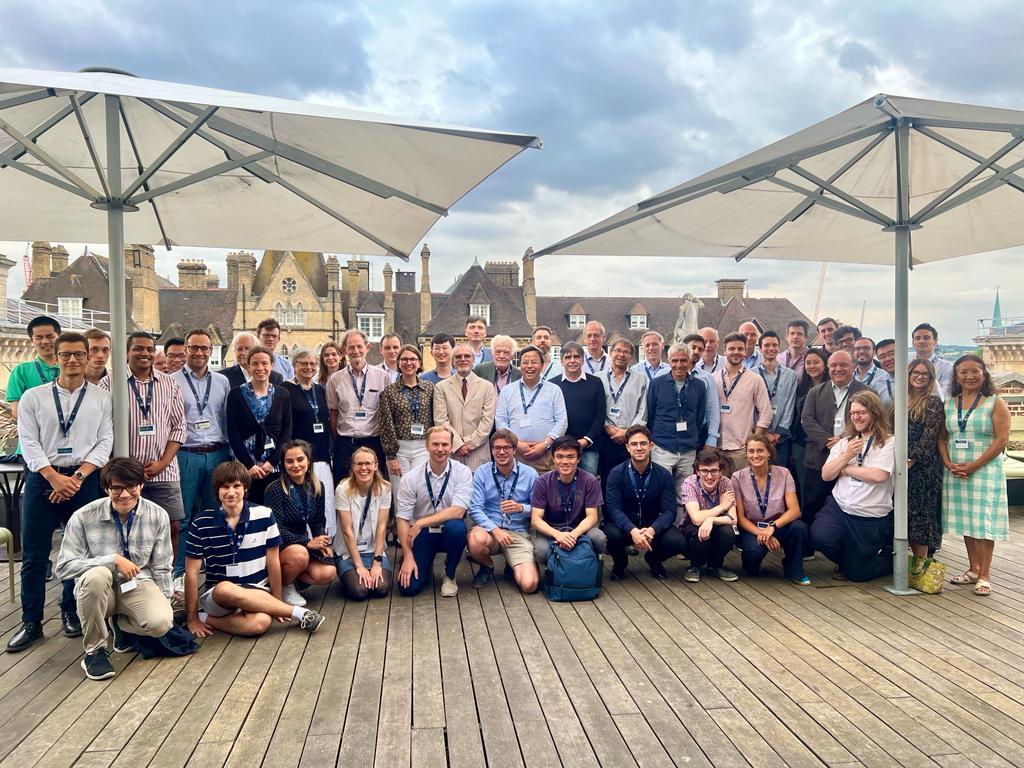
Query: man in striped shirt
<point x="240" y="546"/>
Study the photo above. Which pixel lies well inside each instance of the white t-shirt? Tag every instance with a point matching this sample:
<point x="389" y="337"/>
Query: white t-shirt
<point x="864" y="499"/>
<point x="364" y="526"/>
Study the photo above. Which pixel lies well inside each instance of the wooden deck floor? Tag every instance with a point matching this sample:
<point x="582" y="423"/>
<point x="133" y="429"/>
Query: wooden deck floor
<point x="757" y="673"/>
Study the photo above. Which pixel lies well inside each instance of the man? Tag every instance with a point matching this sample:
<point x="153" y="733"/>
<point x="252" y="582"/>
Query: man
<point x="67" y="433"/>
<point x="500" y="371"/>
<point x="781" y="383"/>
<point x="464" y="403"/>
<point x="752" y="355"/>
<point x="640" y="508"/>
<point x="205" y="394"/>
<point x="238" y="374"/>
<point x="269" y="334"/>
<point x="500" y="509"/>
<point x="845" y="336"/>
<point x="353" y="400"/>
<point x="925" y="338"/>
<point x="432" y="502"/>
<point x="744" y="402"/>
<point x="793" y="356"/>
<point x="584" y="405"/>
<point x="476" y="332"/>
<point x="826" y="327"/>
<point x="565" y="502"/>
<point x="534" y="410"/>
<point x="652" y="366"/>
<point x="119" y="550"/>
<point x="174" y="352"/>
<point x="441" y="349"/>
<point x="625" y="396"/>
<point x="865" y="369"/>
<point x="42" y="332"/>
<point x="711" y="361"/>
<point x="594" y="357"/>
<point x="160" y="362"/>
<point x="156" y="428"/>
<point x="542" y="341"/>
<point x="823" y="419"/>
<point x="390" y="346"/>
<point x="99" y="354"/>
<point x="884" y="381"/>
<point x="675" y="409"/>
<point x="240" y="547"/>
<point x="711" y="426"/>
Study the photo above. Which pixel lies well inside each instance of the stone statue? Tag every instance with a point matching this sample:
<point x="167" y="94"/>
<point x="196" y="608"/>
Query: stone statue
<point x="688" y="317"/>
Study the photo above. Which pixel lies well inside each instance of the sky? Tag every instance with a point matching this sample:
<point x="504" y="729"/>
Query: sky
<point x="630" y="99"/>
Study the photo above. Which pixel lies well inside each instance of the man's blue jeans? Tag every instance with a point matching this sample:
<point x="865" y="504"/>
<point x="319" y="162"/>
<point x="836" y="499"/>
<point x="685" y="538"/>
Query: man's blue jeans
<point x="196" y="470"/>
<point x="451" y="540"/>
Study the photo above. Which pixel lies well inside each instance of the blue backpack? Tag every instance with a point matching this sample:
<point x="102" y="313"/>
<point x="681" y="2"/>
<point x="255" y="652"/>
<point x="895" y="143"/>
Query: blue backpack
<point x="573" y="574"/>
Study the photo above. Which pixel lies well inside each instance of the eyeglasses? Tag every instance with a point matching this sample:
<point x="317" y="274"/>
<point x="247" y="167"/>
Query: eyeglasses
<point x="117" y="490"/>
<point x="364" y="464"/>
<point x="174" y="355"/>
<point x="502" y="448"/>
<point x="709" y="472"/>
<point x="65" y="356"/>
<point x="199" y="348"/>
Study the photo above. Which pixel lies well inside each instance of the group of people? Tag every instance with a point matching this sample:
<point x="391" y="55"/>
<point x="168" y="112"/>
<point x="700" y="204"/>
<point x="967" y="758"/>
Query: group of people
<point x="243" y="487"/>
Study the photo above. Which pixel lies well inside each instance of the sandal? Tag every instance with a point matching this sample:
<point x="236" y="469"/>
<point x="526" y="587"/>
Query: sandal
<point x="967" y="577"/>
<point x="983" y="588"/>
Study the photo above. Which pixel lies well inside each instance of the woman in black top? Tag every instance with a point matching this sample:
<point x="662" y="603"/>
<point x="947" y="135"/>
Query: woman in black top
<point x="814" y="374"/>
<point x="259" y="419"/>
<point x="298" y="501"/>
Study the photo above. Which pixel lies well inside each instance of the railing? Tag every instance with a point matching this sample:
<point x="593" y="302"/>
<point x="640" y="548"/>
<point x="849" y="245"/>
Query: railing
<point x="19" y="313"/>
<point x="1008" y="326"/>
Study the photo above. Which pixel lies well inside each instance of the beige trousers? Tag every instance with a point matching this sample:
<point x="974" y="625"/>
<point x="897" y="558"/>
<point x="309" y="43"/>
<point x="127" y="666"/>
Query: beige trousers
<point x="144" y="610"/>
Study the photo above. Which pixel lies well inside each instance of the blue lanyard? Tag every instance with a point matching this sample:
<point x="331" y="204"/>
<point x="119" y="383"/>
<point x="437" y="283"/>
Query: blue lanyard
<point x="870" y="377"/>
<point x="206" y="397"/>
<point x="640" y="491"/>
<point x="310" y="395"/>
<point x="44" y="373"/>
<point x="434" y="501"/>
<point x="888" y="386"/>
<point x="568" y="499"/>
<point x="704" y="367"/>
<point x="143" y="408"/>
<point x="500" y="486"/>
<point x="681" y="396"/>
<point x="727" y="390"/>
<point x="762" y="503"/>
<point x="863" y="454"/>
<point x="522" y="395"/>
<point x="124" y="532"/>
<point x="300" y="495"/>
<point x="365" y="515"/>
<point x="711" y="501"/>
<point x="773" y="388"/>
<point x="590" y="365"/>
<point x="360" y="391"/>
<point x="414" y="405"/>
<point x="625" y="380"/>
<point x="235" y="536"/>
<point x="65" y="427"/>
<point x="961" y="420"/>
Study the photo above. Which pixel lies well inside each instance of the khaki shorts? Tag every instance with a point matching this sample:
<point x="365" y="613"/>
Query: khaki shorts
<point x="518" y="552"/>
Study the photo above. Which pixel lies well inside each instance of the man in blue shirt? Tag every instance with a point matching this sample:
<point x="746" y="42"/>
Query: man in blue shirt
<point x="781" y="383"/>
<point x="709" y="432"/>
<point x="501" y="515"/>
<point x="534" y="409"/>
<point x="675" y="409"/>
<point x="640" y="508"/>
<point x="653" y="344"/>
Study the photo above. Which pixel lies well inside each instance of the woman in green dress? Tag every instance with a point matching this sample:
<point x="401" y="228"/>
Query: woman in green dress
<point x="974" y="502"/>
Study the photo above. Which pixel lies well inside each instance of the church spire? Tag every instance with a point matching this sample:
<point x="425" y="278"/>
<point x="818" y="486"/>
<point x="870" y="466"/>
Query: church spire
<point x="997" y="314"/>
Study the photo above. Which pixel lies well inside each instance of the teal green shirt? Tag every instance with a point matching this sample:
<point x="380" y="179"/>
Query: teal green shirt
<point x="28" y="375"/>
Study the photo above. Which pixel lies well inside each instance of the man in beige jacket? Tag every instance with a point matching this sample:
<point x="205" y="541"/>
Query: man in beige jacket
<point x="465" y="404"/>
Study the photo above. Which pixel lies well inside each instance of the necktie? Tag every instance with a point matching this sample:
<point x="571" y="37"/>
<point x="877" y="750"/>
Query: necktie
<point x="465" y="390"/>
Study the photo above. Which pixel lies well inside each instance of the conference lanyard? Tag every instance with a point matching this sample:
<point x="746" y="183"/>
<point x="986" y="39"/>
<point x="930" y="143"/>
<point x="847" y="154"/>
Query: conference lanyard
<point x="300" y="495"/>
<point x="413" y="402"/>
<point x="65" y="427"/>
<point x="434" y="501"/>
<point x="961" y="420"/>
<point x="772" y="388"/>
<point x="362" y="520"/>
<point x="44" y="373"/>
<point x="714" y="368"/>
<point x="590" y="364"/>
<point x="235" y="536"/>
<point x="639" y="490"/>
<point x="143" y="408"/>
<point x="888" y="386"/>
<point x="310" y="395"/>
<point x="568" y="499"/>
<point x="501" y="486"/>
<point x="625" y="380"/>
<point x="871" y="377"/>
<point x="681" y="397"/>
<point x="124" y="532"/>
<point x="762" y="503"/>
<point x="206" y="396"/>
<point x="547" y="370"/>
<point x="360" y="392"/>
<point x="711" y="501"/>
<point x="841" y="403"/>
<point x="522" y="396"/>
<point x="727" y="390"/>
<point x="863" y="454"/>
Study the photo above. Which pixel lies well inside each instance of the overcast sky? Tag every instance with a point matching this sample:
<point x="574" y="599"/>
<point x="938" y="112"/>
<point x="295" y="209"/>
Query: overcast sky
<point x="629" y="98"/>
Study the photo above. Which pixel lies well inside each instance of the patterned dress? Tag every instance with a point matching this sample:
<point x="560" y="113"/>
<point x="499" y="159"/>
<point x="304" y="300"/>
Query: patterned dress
<point x="975" y="507"/>
<point x="296" y="524"/>
<point x="924" y="480"/>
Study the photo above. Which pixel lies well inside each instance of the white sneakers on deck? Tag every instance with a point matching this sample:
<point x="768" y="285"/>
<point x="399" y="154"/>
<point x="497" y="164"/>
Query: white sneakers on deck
<point x="449" y="588"/>
<point x="291" y="596"/>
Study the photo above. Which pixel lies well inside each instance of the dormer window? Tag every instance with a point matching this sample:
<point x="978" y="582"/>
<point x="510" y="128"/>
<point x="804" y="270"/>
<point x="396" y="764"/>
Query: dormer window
<point x="69" y="306"/>
<point x="372" y="325"/>
<point x="481" y="310"/>
<point x="638" y="322"/>
<point x="577" y="321"/>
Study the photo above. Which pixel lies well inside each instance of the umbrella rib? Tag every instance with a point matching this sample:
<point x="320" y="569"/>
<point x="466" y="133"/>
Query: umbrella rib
<point x="138" y="165"/>
<point x="13" y="153"/>
<point x="819" y="199"/>
<point x="823" y="184"/>
<point x="47" y="159"/>
<point x="965" y="197"/>
<point x="35" y="172"/>
<point x="87" y="138"/>
<point x="1014" y="181"/>
<point x="195" y="178"/>
<point x="27" y="98"/>
<point x="171" y="148"/>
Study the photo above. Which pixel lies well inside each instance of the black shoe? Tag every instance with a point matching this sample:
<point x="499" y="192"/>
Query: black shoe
<point x="97" y="666"/>
<point x="30" y="632"/>
<point x="122" y="641"/>
<point x="49" y="570"/>
<point x="483" y="576"/>
<point x="657" y="568"/>
<point x="618" y="574"/>
<point x="311" y="621"/>
<point x="71" y="624"/>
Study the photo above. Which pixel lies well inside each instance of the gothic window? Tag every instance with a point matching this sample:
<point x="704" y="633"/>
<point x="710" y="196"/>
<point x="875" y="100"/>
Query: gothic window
<point x="288" y="285"/>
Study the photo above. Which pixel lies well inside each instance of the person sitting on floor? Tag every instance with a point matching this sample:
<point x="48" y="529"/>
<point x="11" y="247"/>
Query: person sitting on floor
<point x="708" y="517"/>
<point x="240" y="545"/>
<point x="363" y="500"/>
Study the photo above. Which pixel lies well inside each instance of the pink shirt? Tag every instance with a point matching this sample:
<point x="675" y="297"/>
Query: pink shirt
<point x="747" y="405"/>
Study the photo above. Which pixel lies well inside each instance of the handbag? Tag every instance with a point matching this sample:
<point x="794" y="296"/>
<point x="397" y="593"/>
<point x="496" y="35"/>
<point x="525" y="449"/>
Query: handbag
<point x="573" y="574"/>
<point x="926" y="575"/>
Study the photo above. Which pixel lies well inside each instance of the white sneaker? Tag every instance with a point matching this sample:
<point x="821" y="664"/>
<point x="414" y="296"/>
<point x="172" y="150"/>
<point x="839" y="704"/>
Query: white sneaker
<point x="449" y="588"/>
<point x="291" y="596"/>
<point x="178" y="584"/>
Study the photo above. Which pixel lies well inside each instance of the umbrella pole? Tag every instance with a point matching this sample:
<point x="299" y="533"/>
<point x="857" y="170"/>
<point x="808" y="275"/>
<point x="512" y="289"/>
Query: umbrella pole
<point x="116" y="277"/>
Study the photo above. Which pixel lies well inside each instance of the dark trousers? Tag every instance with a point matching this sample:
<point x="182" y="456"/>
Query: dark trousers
<point x="782" y="451"/>
<point x="451" y="540"/>
<point x="669" y="542"/>
<point x="344" y="447"/>
<point x="710" y="553"/>
<point x="612" y="454"/>
<point x="792" y="537"/>
<point x="816" y="492"/>
<point x="39" y="519"/>
<point x="860" y="546"/>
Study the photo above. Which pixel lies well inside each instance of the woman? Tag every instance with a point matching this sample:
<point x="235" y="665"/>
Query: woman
<point x="815" y="372"/>
<point x="298" y="500"/>
<point x="259" y="418"/>
<point x="363" y="501"/>
<point x="924" y="465"/>
<point x="769" y="513"/>
<point x="974" y="503"/>
<point x="311" y="422"/>
<point x="406" y="413"/>
<point x="332" y="360"/>
<point x="710" y="514"/>
<point x="854" y="527"/>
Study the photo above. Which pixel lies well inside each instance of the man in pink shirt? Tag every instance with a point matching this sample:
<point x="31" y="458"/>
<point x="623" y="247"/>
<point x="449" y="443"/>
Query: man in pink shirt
<point x="744" y="400"/>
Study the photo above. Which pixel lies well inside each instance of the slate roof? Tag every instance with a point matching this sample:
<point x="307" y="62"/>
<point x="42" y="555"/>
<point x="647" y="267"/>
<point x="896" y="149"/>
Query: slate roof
<point x="508" y="312"/>
<point x="86" y="277"/>
<point x="182" y="309"/>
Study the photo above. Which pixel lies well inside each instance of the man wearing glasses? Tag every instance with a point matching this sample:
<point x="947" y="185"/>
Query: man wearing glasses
<point x="269" y="333"/>
<point x="67" y="433"/>
<point x="205" y="393"/>
<point x="119" y="550"/>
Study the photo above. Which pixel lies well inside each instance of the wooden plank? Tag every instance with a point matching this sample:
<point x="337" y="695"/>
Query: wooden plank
<point x="394" y="726"/>
<point x="359" y="737"/>
<point x="210" y="754"/>
<point x="332" y="703"/>
<point x="643" y="742"/>
<point x="465" y="746"/>
<point x="746" y="739"/>
<point x="428" y="748"/>
<point x="427" y="693"/>
<point x="96" y="759"/>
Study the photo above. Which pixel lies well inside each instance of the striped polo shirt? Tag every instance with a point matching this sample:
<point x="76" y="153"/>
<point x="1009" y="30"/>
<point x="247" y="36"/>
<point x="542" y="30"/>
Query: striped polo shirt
<point x="238" y="556"/>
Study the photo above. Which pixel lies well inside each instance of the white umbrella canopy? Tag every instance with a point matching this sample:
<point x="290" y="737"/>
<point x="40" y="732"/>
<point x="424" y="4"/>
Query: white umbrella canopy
<point x="100" y="155"/>
<point x="851" y="188"/>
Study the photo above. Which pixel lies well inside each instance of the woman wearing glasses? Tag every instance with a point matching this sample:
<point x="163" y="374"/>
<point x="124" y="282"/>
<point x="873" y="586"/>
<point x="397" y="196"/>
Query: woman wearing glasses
<point x="406" y="413"/>
<point x="925" y="417"/>
<point x="709" y="504"/>
<point x="363" y="501"/>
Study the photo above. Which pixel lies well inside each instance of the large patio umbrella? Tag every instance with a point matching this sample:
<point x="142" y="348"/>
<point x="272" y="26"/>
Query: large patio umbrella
<point x="851" y="189"/>
<point x="100" y="155"/>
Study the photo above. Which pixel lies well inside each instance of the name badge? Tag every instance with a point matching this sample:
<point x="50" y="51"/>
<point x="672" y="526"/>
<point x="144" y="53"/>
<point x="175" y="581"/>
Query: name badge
<point x="128" y="586"/>
<point x="680" y="426"/>
<point x="961" y="443"/>
<point x="318" y="428"/>
<point x="726" y="408"/>
<point x="359" y="415"/>
<point x="268" y="444"/>
<point x="775" y="410"/>
<point x="435" y="529"/>
<point x="202" y="426"/>
<point x="64" y="450"/>
<point x="233" y="571"/>
<point x="524" y="422"/>
<point x="147" y="429"/>
<point x="615" y="412"/>
<point x="417" y="430"/>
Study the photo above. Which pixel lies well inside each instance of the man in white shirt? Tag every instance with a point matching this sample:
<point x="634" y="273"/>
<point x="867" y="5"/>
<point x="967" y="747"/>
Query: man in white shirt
<point x="711" y="361"/>
<point x="390" y="345"/>
<point x="432" y="503"/>
<point x="884" y="382"/>
<point x="594" y="358"/>
<point x="550" y="368"/>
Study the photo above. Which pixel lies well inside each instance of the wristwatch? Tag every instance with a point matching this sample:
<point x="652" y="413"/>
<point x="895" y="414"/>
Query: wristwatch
<point x="378" y="558"/>
<point x="79" y="475"/>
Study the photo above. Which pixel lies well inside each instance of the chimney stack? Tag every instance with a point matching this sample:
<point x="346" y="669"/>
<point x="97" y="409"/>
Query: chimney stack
<point x="58" y="259"/>
<point x="333" y="273"/>
<point x="192" y="274"/>
<point x="426" y="308"/>
<point x="529" y="288"/>
<point x="730" y="288"/>
<point x="389" y="299"/>
<point x="40" y="260"/>
<point x="353" y="292"/>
